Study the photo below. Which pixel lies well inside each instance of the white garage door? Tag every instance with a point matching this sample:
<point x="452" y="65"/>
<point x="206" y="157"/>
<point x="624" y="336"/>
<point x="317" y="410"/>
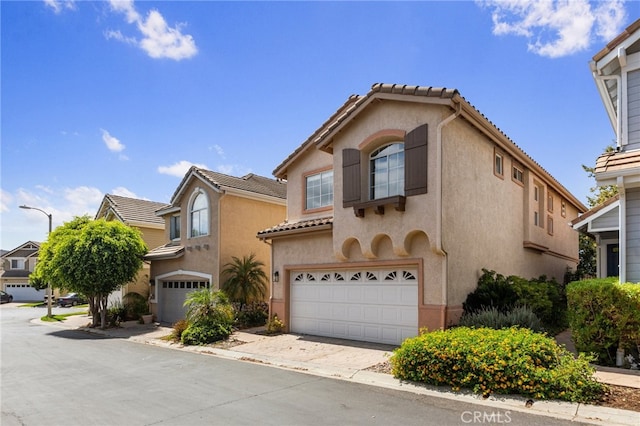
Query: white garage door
<point x="369" y="305"/>
<point x="25" y="293"/>
<point x="172" y="296"/>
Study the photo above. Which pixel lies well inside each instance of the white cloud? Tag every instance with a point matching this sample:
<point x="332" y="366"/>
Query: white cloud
<point x="62" y="203"/>
<point x="556" y="28"/>
<point x="232" y="170"/>
<point x="218" y="149"/>
<point x="123" y="192"/>
<point x="112" y="143"/>
<point x="59" y="5"/>
<point x="158" y="39"/>
<point x="83" y="199"/>
<point x="5" y="199"/>
<point x="179" y="169"/>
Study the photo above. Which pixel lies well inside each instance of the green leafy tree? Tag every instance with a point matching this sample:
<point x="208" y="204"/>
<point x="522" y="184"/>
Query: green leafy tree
<point x="246" y="281"/>
<point x="91" y="257"/>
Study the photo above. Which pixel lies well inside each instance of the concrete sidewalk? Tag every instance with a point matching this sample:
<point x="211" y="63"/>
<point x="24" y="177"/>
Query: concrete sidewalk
<point x="347" y="360"/>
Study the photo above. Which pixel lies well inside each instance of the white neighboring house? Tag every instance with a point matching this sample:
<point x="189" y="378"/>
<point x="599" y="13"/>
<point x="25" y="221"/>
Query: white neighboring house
<point x="616" y="71"/>
<point x="17" y="265"/>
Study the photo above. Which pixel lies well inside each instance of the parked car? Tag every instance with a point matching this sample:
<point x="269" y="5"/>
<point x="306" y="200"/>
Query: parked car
<point x="71" y="299"/>
<point x="5" y="297"/>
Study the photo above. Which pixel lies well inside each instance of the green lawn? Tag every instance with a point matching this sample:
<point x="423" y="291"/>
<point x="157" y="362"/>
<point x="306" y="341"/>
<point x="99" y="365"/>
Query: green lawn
<point x="61" y="317"/>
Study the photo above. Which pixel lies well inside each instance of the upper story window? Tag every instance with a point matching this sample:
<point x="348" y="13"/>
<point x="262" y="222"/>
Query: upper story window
<point x="199" y="215"/>
<point x="518" y="175"/>
<point x="563" y="208"/>
<point x="550" y="202"/>
<point x="174" y="227"/>
<point x="319" y="190"/>
<point x="498" y="164"/>
<point x="386" y="168"/>
<point x="17" y="263"/>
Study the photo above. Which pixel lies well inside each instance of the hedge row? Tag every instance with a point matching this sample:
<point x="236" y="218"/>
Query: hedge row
<point x="604" y="315"/>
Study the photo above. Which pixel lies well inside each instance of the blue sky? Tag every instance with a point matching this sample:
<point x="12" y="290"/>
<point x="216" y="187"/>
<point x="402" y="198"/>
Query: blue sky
<point x="122" y="97"/>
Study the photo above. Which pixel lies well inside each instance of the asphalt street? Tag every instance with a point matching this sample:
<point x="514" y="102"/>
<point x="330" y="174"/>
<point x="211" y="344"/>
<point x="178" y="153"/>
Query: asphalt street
<point x="55" y="376"/>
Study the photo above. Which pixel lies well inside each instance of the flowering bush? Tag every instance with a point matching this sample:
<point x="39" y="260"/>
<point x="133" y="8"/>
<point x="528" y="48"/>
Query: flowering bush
<point x="507" y="361"/>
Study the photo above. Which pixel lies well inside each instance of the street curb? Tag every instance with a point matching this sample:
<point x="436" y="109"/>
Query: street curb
<point x="589" y="414"/>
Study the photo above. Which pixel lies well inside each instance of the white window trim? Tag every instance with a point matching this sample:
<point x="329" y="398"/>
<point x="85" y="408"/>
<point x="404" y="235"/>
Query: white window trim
<point x="370" y="190"/>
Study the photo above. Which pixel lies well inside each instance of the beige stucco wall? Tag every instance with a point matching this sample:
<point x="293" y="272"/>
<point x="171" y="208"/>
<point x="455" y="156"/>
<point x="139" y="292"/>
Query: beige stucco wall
<point x="202" y="252"/>
<point x="234" y="222"/>
<point x="240" y="220"/>
<point x="485" y="219"/>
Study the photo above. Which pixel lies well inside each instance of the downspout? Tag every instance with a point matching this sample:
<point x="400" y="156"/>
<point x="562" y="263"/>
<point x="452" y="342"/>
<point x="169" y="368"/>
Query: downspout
<point x="622" y="231"/>
<point x="270" y="244"/>
<point x="618" y="79"/>
<point x="439" y="248"/>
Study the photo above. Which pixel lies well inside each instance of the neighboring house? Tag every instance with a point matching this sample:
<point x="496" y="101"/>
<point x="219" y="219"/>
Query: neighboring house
<point x="17" y="265"/>
<point x="140" y="214"/>
<point x="212" y="218"/>
<point x="396" y="204"/>
<point x="603" y="223"/>
<point x="616" y="71"/>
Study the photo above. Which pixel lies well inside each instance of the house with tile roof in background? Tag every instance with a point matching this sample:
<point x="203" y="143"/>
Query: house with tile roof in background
<point x="212" y="217"/>
<point x="616" y="223"/>
<point x="139" y="214"/>
<point x="396" y="204"/>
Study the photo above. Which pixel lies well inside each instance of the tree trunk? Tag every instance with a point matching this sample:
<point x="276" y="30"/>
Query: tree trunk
<point x="104" y="299"/>
<point x="93" y="309"/>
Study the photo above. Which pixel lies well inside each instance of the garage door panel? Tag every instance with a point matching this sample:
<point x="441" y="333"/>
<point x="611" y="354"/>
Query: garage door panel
<point x="358" y="305"/>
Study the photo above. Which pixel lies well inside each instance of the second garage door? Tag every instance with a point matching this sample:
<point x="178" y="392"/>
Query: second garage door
<point x="368" y="305"/>
<point x="172" y="296"/>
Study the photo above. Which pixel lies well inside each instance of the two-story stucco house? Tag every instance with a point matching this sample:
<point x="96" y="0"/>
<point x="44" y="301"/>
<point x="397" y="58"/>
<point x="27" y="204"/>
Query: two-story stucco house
<point x="394" y="206"/>
<point x="212" y="218"/>
<point x="616" y="224"/>
<point x="139" y="214"/>
<point x="17" y="265"/>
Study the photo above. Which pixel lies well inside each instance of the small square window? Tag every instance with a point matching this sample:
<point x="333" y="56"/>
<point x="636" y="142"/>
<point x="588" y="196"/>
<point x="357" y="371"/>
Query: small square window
<point x="319" y="190"/>
<point x="518" y="175"/>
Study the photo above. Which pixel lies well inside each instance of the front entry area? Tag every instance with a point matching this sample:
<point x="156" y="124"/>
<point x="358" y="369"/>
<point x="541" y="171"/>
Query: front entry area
<point x="372" y="305"/>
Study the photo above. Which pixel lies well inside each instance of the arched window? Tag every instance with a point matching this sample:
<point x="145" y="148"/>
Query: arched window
<point x="386" y="167"/>
<point x="199" y="215"/>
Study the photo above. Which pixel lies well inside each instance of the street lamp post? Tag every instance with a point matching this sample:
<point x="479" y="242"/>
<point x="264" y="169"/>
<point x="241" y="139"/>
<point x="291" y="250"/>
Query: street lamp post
<point x="49" y="215"/>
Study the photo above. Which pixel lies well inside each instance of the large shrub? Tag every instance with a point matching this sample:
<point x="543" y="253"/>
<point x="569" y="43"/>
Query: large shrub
<point x="252" y="314"/>
<point x="604" y="315"/>
<point x="520" y="316"/>
<point x="210" y="317"/>
<point x="546" y="298"/>
<point x="507" y="361"/>
<point x="135" y="305"/>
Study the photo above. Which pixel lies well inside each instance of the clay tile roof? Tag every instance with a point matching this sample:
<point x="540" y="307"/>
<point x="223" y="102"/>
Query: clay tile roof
<point x="250" y="183"/>
<point x="301" y="226"/>
<point x="628" y="32"/>
<point x="133" y="210"/>
<point x="617" y="161"/>
<point x="167" y="251"/>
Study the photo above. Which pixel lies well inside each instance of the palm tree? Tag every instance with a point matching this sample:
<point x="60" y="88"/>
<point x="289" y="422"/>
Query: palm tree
<point x="246" y="280"/>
